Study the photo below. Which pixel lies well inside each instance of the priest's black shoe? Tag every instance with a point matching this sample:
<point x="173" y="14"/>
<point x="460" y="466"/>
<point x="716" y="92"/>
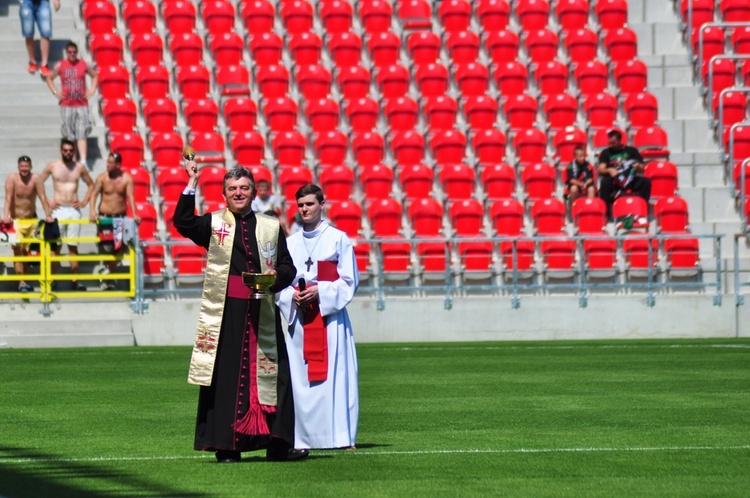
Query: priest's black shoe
<point x="228" y="456"/>
<point x="286" y="455"/>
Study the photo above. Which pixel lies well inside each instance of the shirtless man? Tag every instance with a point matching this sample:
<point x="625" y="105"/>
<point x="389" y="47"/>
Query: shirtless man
<point x="21" y="192"/>
<point x="66" y="174"/>
<point x="117" y="189"/>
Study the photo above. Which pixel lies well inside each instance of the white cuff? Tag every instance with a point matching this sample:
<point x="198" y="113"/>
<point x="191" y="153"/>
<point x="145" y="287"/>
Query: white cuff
<point x="188" y="191"/>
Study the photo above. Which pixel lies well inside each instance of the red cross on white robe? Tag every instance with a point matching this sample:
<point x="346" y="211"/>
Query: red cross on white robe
<point x="222" y="232"/>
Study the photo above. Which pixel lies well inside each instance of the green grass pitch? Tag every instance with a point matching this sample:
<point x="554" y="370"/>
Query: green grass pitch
<point x="615" y="418"/>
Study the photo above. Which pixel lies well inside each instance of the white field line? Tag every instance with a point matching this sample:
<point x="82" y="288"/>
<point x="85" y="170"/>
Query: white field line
<point x="366" y="453"/>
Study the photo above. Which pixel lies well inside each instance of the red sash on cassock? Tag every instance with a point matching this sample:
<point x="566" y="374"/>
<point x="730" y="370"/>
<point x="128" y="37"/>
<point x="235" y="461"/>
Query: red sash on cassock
<point x="315" y="343"/>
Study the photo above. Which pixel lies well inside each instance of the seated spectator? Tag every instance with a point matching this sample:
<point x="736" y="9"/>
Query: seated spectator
<point x="580" y="177"/>
<point x="621" y="172"/>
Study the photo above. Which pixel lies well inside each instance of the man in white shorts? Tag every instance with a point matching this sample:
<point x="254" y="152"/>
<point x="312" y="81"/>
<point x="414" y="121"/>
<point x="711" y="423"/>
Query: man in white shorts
<point x="66" y="173"/>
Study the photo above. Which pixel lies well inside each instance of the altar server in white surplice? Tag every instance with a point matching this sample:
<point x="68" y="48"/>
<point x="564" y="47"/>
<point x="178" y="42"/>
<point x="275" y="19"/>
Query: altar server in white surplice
<point x="322" y="356"/>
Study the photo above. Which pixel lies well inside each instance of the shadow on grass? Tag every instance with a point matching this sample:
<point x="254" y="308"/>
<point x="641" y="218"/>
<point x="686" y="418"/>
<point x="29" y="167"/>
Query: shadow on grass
<point x="28" y="474"/>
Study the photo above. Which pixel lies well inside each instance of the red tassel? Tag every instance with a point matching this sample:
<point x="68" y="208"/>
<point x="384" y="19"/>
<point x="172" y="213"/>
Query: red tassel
<point x="254" y="422"/>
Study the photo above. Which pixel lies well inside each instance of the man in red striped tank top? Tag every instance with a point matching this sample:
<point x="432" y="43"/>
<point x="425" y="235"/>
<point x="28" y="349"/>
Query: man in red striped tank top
<point x="74" y="97"/>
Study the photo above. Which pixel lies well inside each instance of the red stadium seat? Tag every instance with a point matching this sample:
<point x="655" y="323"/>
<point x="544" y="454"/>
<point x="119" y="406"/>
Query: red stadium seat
<point x="640" y="255"/>
<point x="273" y="81"/>
<point x="561" y="111"/>
<point x="448" y="146"/>
<point x="345" y="49"/>
<point x="455" y="15"/>
<point x="458" y="181"/>
<point x="147" y="49"/>
<point x="260" y="173"/>
<point x="169" y="210"/>
<point x="233" y="81"/>
<point x="248" y="148"/>
<point x="463" y="46"/>
<point x="621" y="44"/>
<point x="672" y="214"/>
<point x="194" y="82"/>
<point x="354" y="82"/>
<point x="734" y="11"/>
<point x="152" y="82"/>
<point x="472" y="79"/>
<point x="266" y="49"/>
<point x="714" y="42"/>
<point x="612" y="14"/>
<point x="147" y="227"/>
<point x="559" y="258"/>
<point x="337" y="182"/>
<point x="663" y="176"/>
<point x="511" y="78"/>
<point x="331" y="147"/>
<point x="566" y="140"/>
<point x="114" y="82"/>
<point x="631" y="76"/>
<point x="493" y="15"/>
<point x="186" y="49"/>
<point x="740" y="148"/>
<point x="630" y="205"/>
<point x="489" y="146"/>
<point x="572" y="14"/>
<point x="551" y="78"/>
<point x="385" y="217"/>
<point x="376" y="181"/>
<point x="106" y="49"/>
<point x="323" y="115"/>
<point x="153" y="263"/>
<point x="589" y="215"/>
<point x="209" y="147"/>
<point x="601" y="110"/>
<point x="741" y="40"/>
<point x="737" y="177"/>
<point x="226" y="49"/>
<point x="502" y="46"/>
<point x="189" y="263"/>
<point x="362" y="254"/>
<point x="683" y="256"/>
<point x="415" y="14"/>
<point x="289" y="148"/>
<point x="601" y="140"/>
<point x="160" y="115"/>
<point x="346" y="216"/>
<point x="139" y="16"/>
<point x="530" y="146"/>
<point x="507" y="217"/>
<point x="179" y="16"/>
<point x="201" y="115"/>
<point x="297" y="16"/>
<point x="476" y="260"/>
<point x="402" y="113"/>
<point x="539" y="181"/>
<point x="520" y="111"/>
<point x="280" y="114"/>
<point x="432" y="80"/>
<point x="733" y="106"/>
<point x="423" y="47"/>
<point x="532" y="14"/>
<point x="408" y="147"/>
<point x="591" y="77"/>
<point x="426" y="217"/>
<point x="362" y="114"/>
<point x="434" y="260"/>
<point x="218" y="16"/>
<point x="336" y="16"/>
<point x="416" y="181"/>
<point x="652" y="142"/>
<point x="541" y="45"/>
<point x="292" y="179"/>
<point x="581" y="44"/>
<point x="702" y="11"/>
<point x="642" y="109"/>
<point x="498" y="181"/>
<point x="368" y="148"/>
<point x="119" y="115"/>
<point x="440" y="112"/>
<point x="100" y="16"/>
<point x="480" y="112"/>
<point x="396" y="259"/>
<point x="211" y="183"/>
<point x="258" y="16"/>
<point x="375" y="15"/>
<point x="166" y="150"/>
<point x="305" y="48"/>
<point x="384" y="48"/>
<point x="130" y="146"/>
<point x="467" y="218"/>
<point x="600" y="257"/>
<point x="171" y="183"/>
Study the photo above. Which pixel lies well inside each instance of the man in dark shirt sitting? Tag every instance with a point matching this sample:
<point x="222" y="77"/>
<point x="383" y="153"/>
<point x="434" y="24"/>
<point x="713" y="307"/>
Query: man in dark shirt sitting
<point x="621" y="170"/>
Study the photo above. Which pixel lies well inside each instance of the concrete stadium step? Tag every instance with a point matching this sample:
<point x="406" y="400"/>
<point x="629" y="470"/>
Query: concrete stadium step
<point x="101" y="325"/>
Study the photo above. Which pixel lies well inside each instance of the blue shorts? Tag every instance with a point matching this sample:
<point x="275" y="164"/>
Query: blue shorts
<point x="38" y="12"/>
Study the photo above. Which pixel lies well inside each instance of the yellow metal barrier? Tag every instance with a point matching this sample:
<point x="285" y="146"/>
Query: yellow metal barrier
<point x="45" y="278"/>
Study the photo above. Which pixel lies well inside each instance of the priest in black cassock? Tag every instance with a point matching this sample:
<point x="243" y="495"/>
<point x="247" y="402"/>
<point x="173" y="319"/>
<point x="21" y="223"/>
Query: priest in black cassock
<point x="239" y="357"/>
